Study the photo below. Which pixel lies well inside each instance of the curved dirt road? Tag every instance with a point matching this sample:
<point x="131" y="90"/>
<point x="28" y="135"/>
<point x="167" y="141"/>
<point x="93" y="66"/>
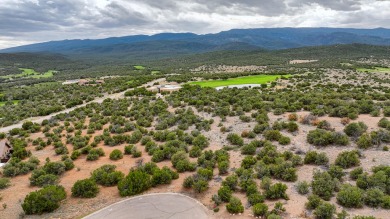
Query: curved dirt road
<point x="159" y="205"/>
<point x="39" y="119"/>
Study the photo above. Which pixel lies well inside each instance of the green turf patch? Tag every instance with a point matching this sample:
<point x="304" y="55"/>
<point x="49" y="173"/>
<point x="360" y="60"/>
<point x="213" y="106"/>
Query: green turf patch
<point x="154" y="72"/>
<point x="253" y="79"/>
<point x="139" y="67"/>
<point x="14" y="102"/>
<point x="376" y="69"/>
<point x="29" y="73"/>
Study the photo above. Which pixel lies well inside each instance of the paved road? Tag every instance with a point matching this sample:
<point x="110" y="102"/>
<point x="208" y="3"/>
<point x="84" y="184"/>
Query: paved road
<point x="97" y="100"/>
<point x="159" y="205"/>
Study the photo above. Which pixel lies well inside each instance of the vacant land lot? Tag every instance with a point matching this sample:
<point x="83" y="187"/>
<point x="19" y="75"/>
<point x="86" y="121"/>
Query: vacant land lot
<point x="255" y="79"/>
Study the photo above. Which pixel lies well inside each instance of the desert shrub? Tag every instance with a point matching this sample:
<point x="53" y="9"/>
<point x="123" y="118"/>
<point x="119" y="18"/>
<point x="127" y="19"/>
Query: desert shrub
<point x="4" y="183"/>
<point x="377" y="179"/>
<point x="312" y="157"/>
<point x="272" y="135"/>
<point x="128" y="149"/>
<point x="94" y="154"/>
<point x="325" y="211"/>
<point x="248" y="162"/>
<point x="106" y="175"/>
<point x="284" y="140"/>
<point x="68" y="164"/>
<point x="303" y="187"/>
<point x="308" y="119"/>
<point x="200" y="185"/>
<point x="384" y="123"/>
<point x="292" y="126"/>
<point x="40" y="177"/>
<point x="260" y="209"/>
<point x="364" y="141"/>
<point x="225" y="193"/>
<point x="322" y="185"/>
<point x="223" y="167"/>
<point x="274" y="216"/>
<point x="75" y="154"/>
<point x="292" y="117"/>
<point x="235" y="206"/>
<point x="347" y="159"/>
<point x="373" y="197"/>
<point x="181" y="162"/>
<point x="163" y="176"/>
<point x="248" y="149"/>
<point x="260" y="128"/>
<point x="188" y="182"/>
<point x="355" y="129"/>
<point x="276" y="191"/>
<point x="354" y="174"/>
<point x="235" y="139"/>
<point x="44" y="200"/>
<point x="386" y="202"/>
<point x="266" y="182"/>
<point x="85" y="188"/>
<point x="135" y="152"/>
<point x="321" y="137"/>
<point x="350" y="197"/>
<point x="205" y="173"/>
<point x="296" y="160"/>
<point x="386" y="111"/>
<point x="195" y="151"/>
<point x="200" y="141"/>
<point x="56" y="168"/>
<point x="324" y="125"/>
<point x="313" y="202"/>
<point x="116" y="154"/>
<point x="336" y="172"/>
<point x="134" y="183"/>
<point x="255" y="198"/>
<point x="340" y="139"/>
<point x="61" y="150"/>
<point x="231" y="181"/>
<point x="278" y="208"/>
<point x="15" y="167"/>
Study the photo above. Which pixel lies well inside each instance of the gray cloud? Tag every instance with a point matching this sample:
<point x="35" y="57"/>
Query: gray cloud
<point x="24" y="21"/>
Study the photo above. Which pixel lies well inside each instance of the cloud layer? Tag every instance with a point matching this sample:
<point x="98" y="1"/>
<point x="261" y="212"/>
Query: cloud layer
<point x="29" y="21"/>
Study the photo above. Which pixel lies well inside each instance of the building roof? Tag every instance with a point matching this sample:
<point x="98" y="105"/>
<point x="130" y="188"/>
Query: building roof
<point x="3" y="146"/>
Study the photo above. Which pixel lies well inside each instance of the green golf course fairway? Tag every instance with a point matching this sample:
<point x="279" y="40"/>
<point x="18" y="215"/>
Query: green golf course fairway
<point x="253" y="79"/>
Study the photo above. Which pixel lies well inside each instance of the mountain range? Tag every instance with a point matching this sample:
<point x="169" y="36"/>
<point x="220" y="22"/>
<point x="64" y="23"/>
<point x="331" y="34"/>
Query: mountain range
<point x="166" y="45"/>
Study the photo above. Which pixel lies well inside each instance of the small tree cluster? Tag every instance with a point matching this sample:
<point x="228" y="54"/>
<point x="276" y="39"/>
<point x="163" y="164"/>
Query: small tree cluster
<point x="321" y="137"/>
<point x="44" y="200"/>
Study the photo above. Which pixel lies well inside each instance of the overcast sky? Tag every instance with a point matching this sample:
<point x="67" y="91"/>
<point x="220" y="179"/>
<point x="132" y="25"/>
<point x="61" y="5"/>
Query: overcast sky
<point x="30" y="21"/>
